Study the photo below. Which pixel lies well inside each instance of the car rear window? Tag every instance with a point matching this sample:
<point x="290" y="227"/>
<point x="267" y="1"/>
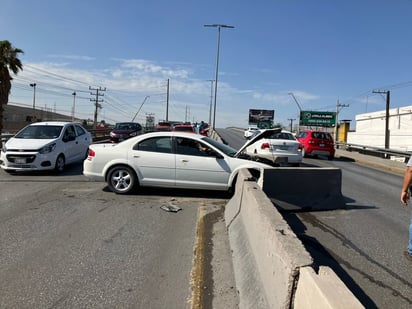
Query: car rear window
<point x="321" y="135"/>
<point x="282" y="135"/>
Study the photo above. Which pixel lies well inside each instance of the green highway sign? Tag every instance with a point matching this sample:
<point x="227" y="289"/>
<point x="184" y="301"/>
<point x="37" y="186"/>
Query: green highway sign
<point x="321" y="119"/>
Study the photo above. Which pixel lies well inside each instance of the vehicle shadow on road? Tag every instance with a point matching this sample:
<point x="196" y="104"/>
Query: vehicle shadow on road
<point x="209" y="194"/>
<point x="321" y="256"/>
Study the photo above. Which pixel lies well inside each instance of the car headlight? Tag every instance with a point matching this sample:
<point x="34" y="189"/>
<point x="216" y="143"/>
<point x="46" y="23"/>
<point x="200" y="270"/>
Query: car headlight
<point x="112" y="134"/>
<point x="133" y="134"/>
<point x="48" y="148"/>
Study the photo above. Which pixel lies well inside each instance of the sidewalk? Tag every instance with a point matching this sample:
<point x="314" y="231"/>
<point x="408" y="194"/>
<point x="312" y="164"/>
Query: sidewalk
<point x="387" y="164"/>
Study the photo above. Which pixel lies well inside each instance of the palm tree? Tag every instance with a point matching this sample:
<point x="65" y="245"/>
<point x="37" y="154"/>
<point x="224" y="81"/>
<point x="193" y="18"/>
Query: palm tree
<point x="8" y="62"/>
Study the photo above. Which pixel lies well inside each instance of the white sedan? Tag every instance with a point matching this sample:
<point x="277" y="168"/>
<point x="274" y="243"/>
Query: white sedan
<point x="250" y="131"/>
<point x="167" y="159"/>
<point x="277" y="145"/>
<point x="45" y="146"/>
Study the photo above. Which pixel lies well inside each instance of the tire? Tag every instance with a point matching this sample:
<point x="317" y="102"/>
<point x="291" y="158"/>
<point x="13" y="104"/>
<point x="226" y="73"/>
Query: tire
<point x="60" y="164"/>
<point x="330" y="158"/>
<point x="122" y="180"/>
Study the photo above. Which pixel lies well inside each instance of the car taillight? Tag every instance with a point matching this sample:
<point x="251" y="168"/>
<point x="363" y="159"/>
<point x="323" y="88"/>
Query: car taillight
<point x="265" y="146"/>
<point x="91" y="153"/>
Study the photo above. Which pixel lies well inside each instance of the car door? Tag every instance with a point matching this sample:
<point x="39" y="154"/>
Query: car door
<point x="72" y="148"/>
<point x="154" y="161"/>
<point x="84" y="139"/>
<point x="198" y="166"/>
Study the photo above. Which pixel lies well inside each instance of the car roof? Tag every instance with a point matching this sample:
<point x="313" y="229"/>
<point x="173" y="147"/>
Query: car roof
<point x="52" y="123"/>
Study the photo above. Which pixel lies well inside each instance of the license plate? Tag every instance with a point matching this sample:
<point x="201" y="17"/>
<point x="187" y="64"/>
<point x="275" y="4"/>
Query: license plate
<point x="274" y="148"/>
<point x="321" y="145"/>
<point x="20" y="161"/>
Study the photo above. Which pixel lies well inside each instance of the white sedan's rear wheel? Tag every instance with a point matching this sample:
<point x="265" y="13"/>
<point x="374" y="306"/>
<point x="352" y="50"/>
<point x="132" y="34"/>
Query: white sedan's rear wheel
<point x="121" y="180"/>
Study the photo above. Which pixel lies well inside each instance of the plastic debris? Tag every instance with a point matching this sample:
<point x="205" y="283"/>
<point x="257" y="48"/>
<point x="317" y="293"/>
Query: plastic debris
<point x="170" y="208"/>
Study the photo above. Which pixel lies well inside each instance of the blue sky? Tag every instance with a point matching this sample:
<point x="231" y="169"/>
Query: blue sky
<point x="321" y="51"/>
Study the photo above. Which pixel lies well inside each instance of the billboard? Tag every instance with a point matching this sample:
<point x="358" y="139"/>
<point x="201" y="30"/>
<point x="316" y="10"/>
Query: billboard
<point x="320" y="119"/>
<point x="258" y="115"/>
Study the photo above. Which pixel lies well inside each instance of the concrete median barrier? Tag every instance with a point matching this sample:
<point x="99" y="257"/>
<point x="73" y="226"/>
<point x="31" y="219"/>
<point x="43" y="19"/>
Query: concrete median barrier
<point x="268" y="258"/>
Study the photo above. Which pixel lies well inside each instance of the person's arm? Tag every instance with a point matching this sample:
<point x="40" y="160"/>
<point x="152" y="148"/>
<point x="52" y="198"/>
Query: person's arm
<point x="407" y="180"/>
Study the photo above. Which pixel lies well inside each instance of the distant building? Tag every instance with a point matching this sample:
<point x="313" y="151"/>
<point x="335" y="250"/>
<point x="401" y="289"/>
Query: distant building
<point x="370" y="129"/>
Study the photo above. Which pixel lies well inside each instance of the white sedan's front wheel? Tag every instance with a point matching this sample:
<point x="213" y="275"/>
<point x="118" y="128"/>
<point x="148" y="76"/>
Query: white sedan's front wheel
<point x="121" y="180"/>
<point x="60" y="164"/>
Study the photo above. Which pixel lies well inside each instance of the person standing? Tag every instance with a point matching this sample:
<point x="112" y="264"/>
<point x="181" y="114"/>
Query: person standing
<point x="405" y="196"/>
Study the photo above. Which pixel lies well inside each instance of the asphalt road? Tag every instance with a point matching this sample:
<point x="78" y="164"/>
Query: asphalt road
<point x="364" y="241"/>
<point x="66" y="242"/>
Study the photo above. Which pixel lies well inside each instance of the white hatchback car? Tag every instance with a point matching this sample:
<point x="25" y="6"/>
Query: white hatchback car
<point x="277" y="145"/>
<point x="167" y="159"/>
<point x="45" y="146"/>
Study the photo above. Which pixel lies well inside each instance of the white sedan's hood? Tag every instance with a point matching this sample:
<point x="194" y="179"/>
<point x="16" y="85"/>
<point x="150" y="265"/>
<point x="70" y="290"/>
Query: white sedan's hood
<point x="27" y="143"/>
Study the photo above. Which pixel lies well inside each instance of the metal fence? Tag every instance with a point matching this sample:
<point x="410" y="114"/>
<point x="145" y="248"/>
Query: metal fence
<point x="376" y="151"/>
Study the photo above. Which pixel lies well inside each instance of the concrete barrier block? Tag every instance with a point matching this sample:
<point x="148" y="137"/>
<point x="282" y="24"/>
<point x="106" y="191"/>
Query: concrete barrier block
<point x="323" y="291"/>
<point x="304" y="187"/>
<point x="267" y="254"/>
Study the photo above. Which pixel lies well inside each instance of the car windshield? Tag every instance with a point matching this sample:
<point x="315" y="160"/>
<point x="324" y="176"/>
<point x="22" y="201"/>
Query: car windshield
<point x="227" y="150"/>
<point x="40" y="132"/>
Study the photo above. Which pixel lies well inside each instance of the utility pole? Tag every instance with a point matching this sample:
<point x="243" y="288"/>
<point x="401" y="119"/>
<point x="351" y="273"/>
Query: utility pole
<point x="291" y="123"/>
<point x="96" y="102"/>
<point x="338" y="108"/>
<point x="388" y="99"/>
<point x="141" y="105"/>
<point x="167" y="101"/>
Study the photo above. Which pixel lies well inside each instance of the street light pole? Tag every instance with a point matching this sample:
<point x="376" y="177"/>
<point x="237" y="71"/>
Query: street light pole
<point x="211" y="100"/>
<point x="34" y="101"/>
<point x="74" y="104"/>
<point x="218" y="26"/>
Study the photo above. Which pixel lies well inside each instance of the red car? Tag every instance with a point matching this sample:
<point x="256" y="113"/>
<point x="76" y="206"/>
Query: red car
<point x="164" y="126"/>
<point x="316" y="143"/>
<point x="184" y="128"/>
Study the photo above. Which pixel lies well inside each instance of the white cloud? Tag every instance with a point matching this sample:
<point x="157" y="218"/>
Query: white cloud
<point x="72" y="57"/>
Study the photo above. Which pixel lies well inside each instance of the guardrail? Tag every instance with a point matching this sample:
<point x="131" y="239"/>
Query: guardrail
<point x="385" y="153"/>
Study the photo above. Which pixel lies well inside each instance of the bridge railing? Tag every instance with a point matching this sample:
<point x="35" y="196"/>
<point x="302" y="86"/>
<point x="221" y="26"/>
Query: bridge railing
<point x="386" y="153"/>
